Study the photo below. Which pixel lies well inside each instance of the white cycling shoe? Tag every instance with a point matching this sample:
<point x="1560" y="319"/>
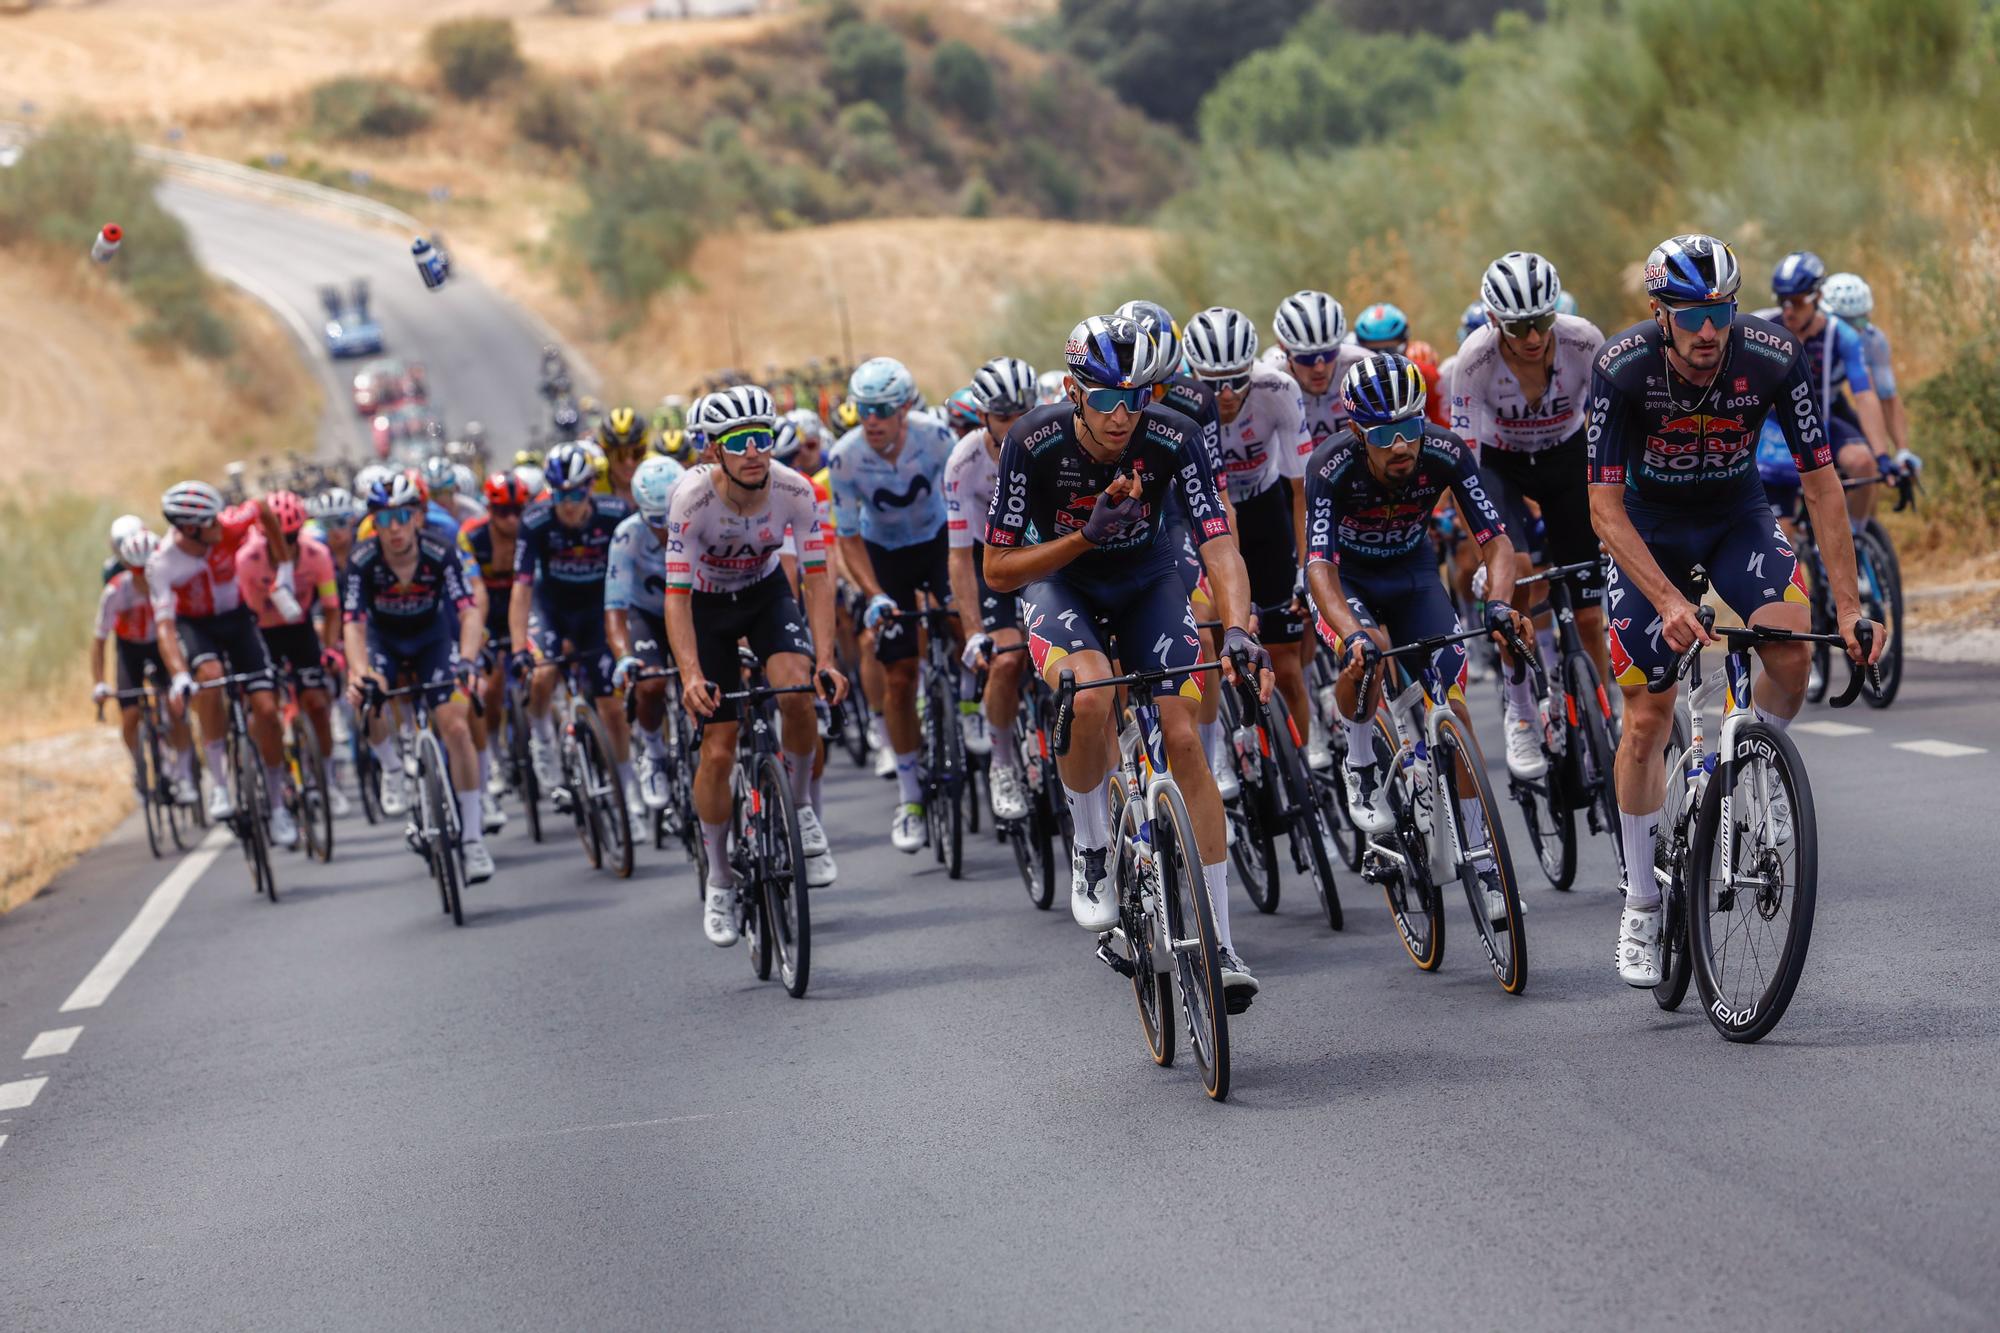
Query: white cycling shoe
<point x="885" y="762"/>
<point x="1239" y="987"/>
<point x="496" y="781"/>
<point x="1368" y="800"/>
<point x="395" y="795"/>
<point x="1524" y="747"/>
<point x="221" y="805"/>
<point x="1010" y="793"/>
<point x="716" y="922"/>
<point x="1319" y="755"/>
<point x="491" y="817"/>
<point x="1093" y="898"/>
<point x="973" y="730"/>
<point x="906" y="830"/>
<point x="284" y="829"/>
<point x="1639" y="947"/>
<point x="820" y="869"/>
<point x="336" y="801"/>
<point x="478" y="862"/>
<point x="653" y="784"/>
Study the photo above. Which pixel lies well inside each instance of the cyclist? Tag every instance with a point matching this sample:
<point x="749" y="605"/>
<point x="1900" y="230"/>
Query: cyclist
<point x="1076" y="529"/>
<point x="1373" y="574"/>
<point x="121" y="527"/>
<point x="802" y="444"/>
<point x="287" y="622"/>
<point x="1847" y="297"/>
<point x="488" y="543"/>
<point x="1314" y="347"/>
<point x="331" y="516"/>
<point x="725" y="527"/>
<point x="622" y="437"/>
<point x="1835" y="358"/>
<point x="125" y="611"/>
<point x="1264" y="443"/>
<point x="401" y="586"/>
<point x="1676" y="404"/>
<point x="205" y="630"/>
<point x="888" y="503"/>
<point x="961" y="412"/>
<point x="442" y="483"/>
<point x="635" y="587"/>
<point x="1004" y="389"/>
<point x="557" y="604"/>
<point x="1518" y="398"/>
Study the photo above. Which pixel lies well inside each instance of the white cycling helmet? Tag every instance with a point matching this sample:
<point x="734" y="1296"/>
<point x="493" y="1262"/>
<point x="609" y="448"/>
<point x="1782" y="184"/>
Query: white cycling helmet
<point x="1049" y="387"/>
<point x="399" y="490"/>
<point x="336" y="503"/>
<point x="1846" y="296"/>
<point x="1520" y="285"/>
<point x="732" y="409"/>
<point x="467" y="483"/>
<point x="1220" y="341"/>
<point x="653" y="488"/>
<point x="136" y="548"/>
<point x="124" y="526"/>
<point x="882" y="380"/>
<point x="365" y="479"/>
<point x="1309" y="321"/>
<point x="191" y="503"/>
<point x="1006" y="384"/>
<point x="533" y="478"/>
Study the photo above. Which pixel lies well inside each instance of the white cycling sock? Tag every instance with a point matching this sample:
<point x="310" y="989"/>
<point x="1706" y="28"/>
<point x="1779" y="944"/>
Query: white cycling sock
<point x="1640" y="834"/>
<point x="1212" y="743"/>
<point x="218" y="765"/>
<point x="470" y="827"/>
<point x="1360" y="742"/>
<point x="386" y="756"/>
<point x="1090" y="814"/>
<point x="544" y="728"/>
<point x="1521" y="695"/>
<point x="184" y="762"/>
<point x="1216" y="877"/>
<point x="799" y="769"/>
<point x="907" y="783"/>
<point x="274" y="783"/>
<point x="485" y="767"/>
<point x="656" y="747"/>
<point x="715" y="839"/>
<point x="326" y="771"/>
<point x="1768" y="718"/>
<point x="1006" y="746"/>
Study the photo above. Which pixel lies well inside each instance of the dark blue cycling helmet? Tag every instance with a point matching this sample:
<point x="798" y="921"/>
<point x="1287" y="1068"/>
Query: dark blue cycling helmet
<point x="1798" y="274"/>
<point x="1691" y="269"/>
<point x="1383" y="388"/>
<point x="1113" y="352"/>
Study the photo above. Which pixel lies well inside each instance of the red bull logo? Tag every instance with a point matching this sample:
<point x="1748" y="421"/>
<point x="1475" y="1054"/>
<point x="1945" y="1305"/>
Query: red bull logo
<point x="1622" y="669"/>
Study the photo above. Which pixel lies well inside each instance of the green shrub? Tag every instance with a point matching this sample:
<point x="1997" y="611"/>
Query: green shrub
<point x="1957" y="428"/>
<point x="643" y="216"/>
<point x="865" y="62"/>
<point x="356" y="108"/>
<point x="550" y="115"/>
<point x="976" y="199"/>
<point x="1328" y="86"/>
<point x="963" y="81"/>
<point x="473" y="54"/>
<point x="1163" y="56"/>
<point x="1051" y="176"/>
<point x="868" y="147"/>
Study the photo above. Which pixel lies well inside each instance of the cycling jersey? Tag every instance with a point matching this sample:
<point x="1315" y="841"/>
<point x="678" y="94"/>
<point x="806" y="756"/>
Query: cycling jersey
<point x="1325" y="413"/>
<point x="1268" y="439"/>
<point x="1195" y="400"/>
<point x="186" y="584"/>
<point x="637" y="577"/>
<point x="969" y="478"/>
<point x="312" y="579"/>
<point x="1835" y="356"/>
<point x="125" y="609"/>
<point x="892" y="500"/>
<point x="1351" y="516"/>
<point x="1674" y="445"/>
<point x="566" y="565"/>
<point x="712" y="548"/>
<point x="405" y="610"/>
<point x="1881" y="371"/>
<point x="1048" y="485"/>
<point x="1489" y="410"/>
<point x="477" y="551"/>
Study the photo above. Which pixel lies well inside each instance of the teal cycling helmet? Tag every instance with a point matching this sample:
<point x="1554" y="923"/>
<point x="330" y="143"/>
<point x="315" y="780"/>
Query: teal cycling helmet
<point x="1381" y="323"/>
<point x="653" y="488"/>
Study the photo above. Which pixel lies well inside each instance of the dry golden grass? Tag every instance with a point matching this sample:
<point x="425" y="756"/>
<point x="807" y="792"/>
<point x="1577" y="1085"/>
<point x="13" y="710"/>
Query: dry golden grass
<point x="62" y="791"/>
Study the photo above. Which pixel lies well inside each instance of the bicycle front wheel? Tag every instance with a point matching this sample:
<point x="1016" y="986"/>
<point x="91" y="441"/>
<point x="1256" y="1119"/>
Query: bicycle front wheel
<point x="1144" y="947"/>
<point x="1034" y="852"/>
<point x="607" y="792"/>
<point x="1307" y="831"/>
<point x="1881" y="581"/>
<point x="253" y="820"/>
<point x="1190" y="925"/>
<point x="781" y="859"/>
<point x="152" y="783"/>
<point x="1753" y="872"/>
<point x="1484" y="869"/>
<point x="1416" y="904"/>
<point x="315" y="810"/>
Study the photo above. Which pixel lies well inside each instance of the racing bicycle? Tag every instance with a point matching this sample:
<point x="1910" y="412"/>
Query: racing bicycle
<point x="432" y="830"/>
<point x="251" y="822"/>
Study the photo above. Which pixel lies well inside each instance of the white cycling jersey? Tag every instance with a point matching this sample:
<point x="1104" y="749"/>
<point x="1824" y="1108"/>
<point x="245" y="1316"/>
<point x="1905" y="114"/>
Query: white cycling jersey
<point x="1268" y="439"/>
<point x="970" y="476"/>
<point x="1326" y="412"/>
<point x="712" y="548"/>
<point x="1488" y="409"/>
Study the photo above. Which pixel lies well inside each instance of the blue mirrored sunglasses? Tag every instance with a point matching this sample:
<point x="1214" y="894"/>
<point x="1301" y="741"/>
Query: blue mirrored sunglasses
<point x="571" y="494"/>
<point x="1385" y="436"/>
<point x="1692" y="317"/>
<point x="1110" y="400"/>
<point x="395" y="518"/>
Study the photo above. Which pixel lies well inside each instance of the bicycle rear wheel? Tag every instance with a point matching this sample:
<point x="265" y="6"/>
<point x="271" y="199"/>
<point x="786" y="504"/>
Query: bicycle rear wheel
<point x="1881" y="580"/>
<point x="1190" y="925"/>
<point x="253" y="801"/>
<point x="746" y="855"/>
<point x="607" y="791"/>
<point x="315" y="810"/>
<point x="1753" y="881"/>
<point x="1670" y="861"/>
<point x="1139" y="904"/>
<point x="441" y="826"/>
<point x="1252" y="820"/>
<point x="368" y="779"/>
<point x="151" y="784"/>
<point x="781" y="858"/>
<point x="1506" y="940"/>
<point x="1034" y="852"/>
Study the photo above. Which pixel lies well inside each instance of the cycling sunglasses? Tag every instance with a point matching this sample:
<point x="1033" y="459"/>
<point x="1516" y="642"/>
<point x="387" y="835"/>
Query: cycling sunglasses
<point x="878" y="411"/>
<point x="567" y="495"/>
<point x="745" y="438"/>
<point x="1692" y="317"/>
<point x="395" y="518"/>
<point x="1386" y="435"/>
<point x="1314" y="360"/>
<point x="504" y="511"/>
<point x="1234" y="383"/>
<point x="1521" y="328"/>
<point x="1110" y="400"/>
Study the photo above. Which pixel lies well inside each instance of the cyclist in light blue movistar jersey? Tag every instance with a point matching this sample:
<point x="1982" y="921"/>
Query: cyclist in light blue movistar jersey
<point x="635" y="616"/>
<point x="887" y="477"/>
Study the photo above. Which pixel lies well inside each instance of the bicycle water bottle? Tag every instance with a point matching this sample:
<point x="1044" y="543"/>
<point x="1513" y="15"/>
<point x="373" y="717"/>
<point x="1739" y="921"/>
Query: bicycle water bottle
<point x="1244" y="738"/>
<point x="433" y="265"/>
<point x="107" y="242"/>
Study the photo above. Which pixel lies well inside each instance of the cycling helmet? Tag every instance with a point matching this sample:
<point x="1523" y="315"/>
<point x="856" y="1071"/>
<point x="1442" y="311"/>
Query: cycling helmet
<point x="1472" y="321"/>
<point x="365" y="479"/>
<point x="137" y="547"/>
<point x="1798" y="274"/>
<point x="191" y="503"/>
<point x="962" y="411"/>
<point x="1309" y="321"/>
<point x="1520" y="285"/>
<point x="805" y="423"/>
<point x="288" y="509"/>
<point x="1384" y="388"/>
<point x="1845" y="295"/>
<point x="438" y="475"/>
<point x="1565" y="304"/>
<point x="599" y="464"/>
<point x="124" y="526"/>
<point x="331" y="506"/>
<point x="570" y="466"/>
<point x="1381" y="323"/>
<point x="745" y="405"/>
<point x="1220" y="341"/>
<point x="1006" y="384"/>
<point x="568" y="419"/>
<point x="1049" y="387"/>
<point x="533" y="479"/>
<point x="1112" y="352"/>
<point x="653" y="488"/>
<point x="621" y="428"/>
<point x="1157" y="320"/>
<point x="847" y="416"/>
<point x="506" y="490"/>
<point x="1692" y="269"/>
<point x="881" y="380"/>
<point x="674" y="444"/>
<point x="785" y="439"/>
<point x="397" y="490"/>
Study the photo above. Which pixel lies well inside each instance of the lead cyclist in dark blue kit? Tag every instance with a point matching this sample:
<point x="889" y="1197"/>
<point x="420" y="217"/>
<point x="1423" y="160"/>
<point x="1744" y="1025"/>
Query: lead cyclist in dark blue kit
<point x="1079" y="528"/>
<point x="1676" y="405"/>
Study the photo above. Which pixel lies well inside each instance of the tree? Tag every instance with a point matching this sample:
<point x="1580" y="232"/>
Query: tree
<point x="964" y="81"/>
<point x="865" y="62"/>
<point x="473" y="54"/>
<point x="1163" y="56"/>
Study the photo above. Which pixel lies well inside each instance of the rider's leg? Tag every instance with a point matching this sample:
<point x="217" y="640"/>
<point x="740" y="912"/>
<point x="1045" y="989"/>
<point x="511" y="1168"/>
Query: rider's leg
<point x="711" y="796"/>
<point x="455" y="730"/>
<point x="800" y="732"/>
<point x="128" y="727"/>
<point x="208" y="712"/>
<point x="1092" y="749"/>
<point x="1002" y="700"/>
<point x="900" y="717"/>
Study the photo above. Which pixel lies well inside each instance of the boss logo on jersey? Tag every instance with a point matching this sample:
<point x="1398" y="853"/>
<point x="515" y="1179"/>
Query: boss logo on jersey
<point x="1743" y="401"/>
<point x="1016" y="511"/>
<point x="1808" y="422"/>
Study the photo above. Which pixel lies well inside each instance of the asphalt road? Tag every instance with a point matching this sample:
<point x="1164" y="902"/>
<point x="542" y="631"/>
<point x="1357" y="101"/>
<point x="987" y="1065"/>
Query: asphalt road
<point x="482" y="351"/>
<point x="341" y="1112"/>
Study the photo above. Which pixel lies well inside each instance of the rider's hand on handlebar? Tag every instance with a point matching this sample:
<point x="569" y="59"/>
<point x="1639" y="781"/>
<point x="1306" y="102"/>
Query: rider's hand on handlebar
<point x="1237" y="644"/>
<point x="523" y="662"/>
<point x="879" y="605"/>
<point x="622" y="673"/>
<point x="1878" y="639"/>
<point x="829" y="684"/>
<point x="978" y="649"/>
<point x="99" y="692"/>
<point x="1504" y="624"/>
<point x="701" y="695"/>
<point x="1681" y="626"/>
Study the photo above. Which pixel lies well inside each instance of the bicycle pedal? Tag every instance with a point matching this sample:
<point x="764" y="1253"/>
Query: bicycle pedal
<point x="1111" y="958"/>
<point x="1236" y="1001"/>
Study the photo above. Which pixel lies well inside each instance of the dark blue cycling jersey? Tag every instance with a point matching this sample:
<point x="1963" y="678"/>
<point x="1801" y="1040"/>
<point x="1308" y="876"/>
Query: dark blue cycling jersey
<point x="405" y="610"/>
<point x="566" y="565"/>
<point x="1350" y="515"/>
<point x="1675" y="445"/>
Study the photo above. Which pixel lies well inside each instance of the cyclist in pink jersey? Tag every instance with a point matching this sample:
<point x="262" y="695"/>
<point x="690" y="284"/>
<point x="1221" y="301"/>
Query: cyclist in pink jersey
<point x="288" y="631"/>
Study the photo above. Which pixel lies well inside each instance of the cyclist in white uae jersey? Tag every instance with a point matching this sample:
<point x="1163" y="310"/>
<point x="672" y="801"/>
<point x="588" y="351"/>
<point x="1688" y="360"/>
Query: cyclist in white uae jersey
<point x="1319" y="384"/>
<point x="1004" y="391"/>
<point x="726" y="527"/>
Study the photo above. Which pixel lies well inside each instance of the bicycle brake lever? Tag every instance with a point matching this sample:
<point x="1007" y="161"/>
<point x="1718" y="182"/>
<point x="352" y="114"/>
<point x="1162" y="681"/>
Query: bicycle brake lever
<point x="1065" y="704"/>
<point x="1864" y="632"/>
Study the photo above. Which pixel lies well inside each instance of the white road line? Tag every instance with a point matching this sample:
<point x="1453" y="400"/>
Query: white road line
<point x="20" y="1094"/>
<point x="159" y="906"/>
<point x="1939" y="749"/>
<point x="1831" y="728"/>
<point x="3" y="1140"/>
<point x="56" y="1041"/>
